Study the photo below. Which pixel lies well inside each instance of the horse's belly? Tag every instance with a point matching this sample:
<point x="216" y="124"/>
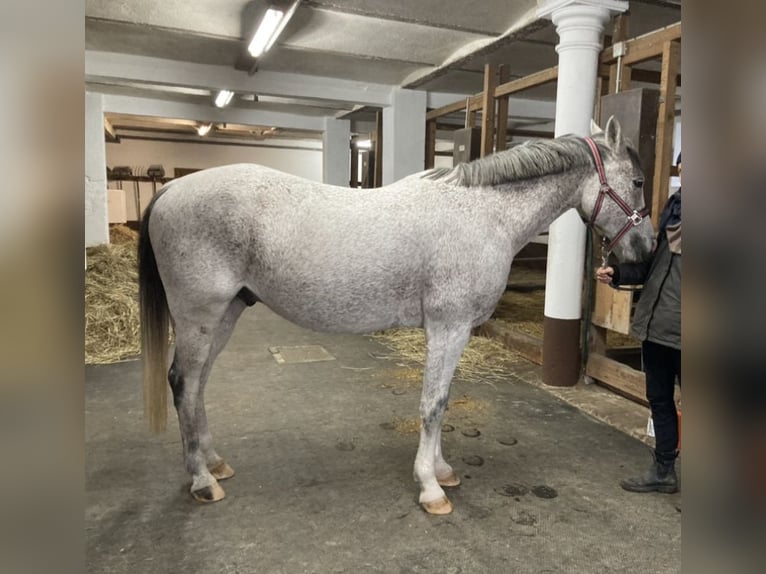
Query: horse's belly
<point x="341" y="309"/>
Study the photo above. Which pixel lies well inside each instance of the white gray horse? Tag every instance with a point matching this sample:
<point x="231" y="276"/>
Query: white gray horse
<point x="433" y="250"/>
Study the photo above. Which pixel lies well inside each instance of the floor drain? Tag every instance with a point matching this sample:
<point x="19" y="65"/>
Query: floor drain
<point x="300" y="354"/>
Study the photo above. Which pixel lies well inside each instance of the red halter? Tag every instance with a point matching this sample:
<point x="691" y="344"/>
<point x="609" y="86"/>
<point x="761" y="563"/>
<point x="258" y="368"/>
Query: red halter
<point x="634" y="217"/>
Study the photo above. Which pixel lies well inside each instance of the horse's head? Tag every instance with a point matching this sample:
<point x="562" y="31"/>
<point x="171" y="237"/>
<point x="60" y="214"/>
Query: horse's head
<point x="613" y="201"/>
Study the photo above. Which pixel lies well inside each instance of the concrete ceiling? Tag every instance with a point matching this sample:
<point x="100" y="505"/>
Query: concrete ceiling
<point x="333" y="48"/>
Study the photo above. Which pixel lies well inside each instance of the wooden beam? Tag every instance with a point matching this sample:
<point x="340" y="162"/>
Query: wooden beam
<point x="430" y="144"/>
<point x="644" y="47"/>
<point x="474" y="104"/>
<point x="649" y="77"/>
<point x="671" y="61"/>
<point x="488" y="110"/>
<point x="111" y="135"/>
<point x="617" y="376"/>
<point x="448" y="127"/>
<point x="637" y="75"/>
<point x="530" y="81"/>
<point x="502" y="111"/>
<point x="530" y="133"/>
<point x="378" y="148"/>
<point x="527" y="346"/>
<point x="353" y="181"/>
<point x="619" y="72"/>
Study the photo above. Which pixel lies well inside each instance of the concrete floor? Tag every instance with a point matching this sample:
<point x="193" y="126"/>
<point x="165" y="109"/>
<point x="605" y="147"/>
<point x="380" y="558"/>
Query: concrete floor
<point x="324" y="475"/>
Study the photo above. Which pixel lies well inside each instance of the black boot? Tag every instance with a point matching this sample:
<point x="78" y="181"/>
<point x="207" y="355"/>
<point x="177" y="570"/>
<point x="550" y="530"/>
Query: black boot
<point x="661" y="477"/>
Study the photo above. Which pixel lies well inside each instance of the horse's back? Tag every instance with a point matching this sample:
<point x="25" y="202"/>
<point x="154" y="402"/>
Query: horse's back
<point x="326" y="257"/>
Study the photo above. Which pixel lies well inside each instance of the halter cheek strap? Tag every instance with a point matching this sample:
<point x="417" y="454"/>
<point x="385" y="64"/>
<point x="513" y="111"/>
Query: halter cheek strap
<point x="634" y="217"/>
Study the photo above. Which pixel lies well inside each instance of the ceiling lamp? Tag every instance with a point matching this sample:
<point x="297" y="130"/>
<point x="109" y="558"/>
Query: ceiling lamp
<point x="204" y="129"/>
<point x="271" y="26"/>
<point x="223" y="98"/>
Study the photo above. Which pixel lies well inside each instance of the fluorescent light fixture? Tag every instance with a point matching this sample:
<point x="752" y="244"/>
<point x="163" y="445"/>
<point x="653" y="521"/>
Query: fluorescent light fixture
<point x="264" y="35"/>
<point x="223" y="98"/>
<point x="274" y="21"/>
<point x="204" y="129"/>
<point x="363" y="144"/>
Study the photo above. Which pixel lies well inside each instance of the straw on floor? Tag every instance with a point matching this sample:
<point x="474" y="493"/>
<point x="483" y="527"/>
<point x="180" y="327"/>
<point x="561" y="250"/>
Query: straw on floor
<point x="482" y="358"/>
<point x="111" y="300"/>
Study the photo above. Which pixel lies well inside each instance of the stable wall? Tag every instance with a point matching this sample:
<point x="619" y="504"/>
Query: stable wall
<point x="140" y="154"/>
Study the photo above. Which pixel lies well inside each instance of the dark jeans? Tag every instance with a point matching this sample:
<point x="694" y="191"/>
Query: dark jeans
<point x="662" y="364"/>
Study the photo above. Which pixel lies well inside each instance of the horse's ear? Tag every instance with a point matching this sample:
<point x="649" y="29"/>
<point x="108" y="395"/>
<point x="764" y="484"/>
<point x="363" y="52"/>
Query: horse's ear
<point x="595" y="130"/>
<point x="613" y="133"/>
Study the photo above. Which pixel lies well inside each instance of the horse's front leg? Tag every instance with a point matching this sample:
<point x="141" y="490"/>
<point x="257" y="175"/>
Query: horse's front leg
<point x="444" y="345"/>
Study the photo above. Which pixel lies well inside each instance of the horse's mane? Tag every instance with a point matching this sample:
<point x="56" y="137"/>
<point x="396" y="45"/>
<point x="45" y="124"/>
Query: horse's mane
<point x="534" y="158"/>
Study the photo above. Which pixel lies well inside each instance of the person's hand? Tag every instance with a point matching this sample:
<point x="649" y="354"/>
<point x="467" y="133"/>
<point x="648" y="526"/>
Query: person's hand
<point x="605" y="274"/>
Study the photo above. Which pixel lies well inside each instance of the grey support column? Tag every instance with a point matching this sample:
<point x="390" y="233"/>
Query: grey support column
<point x="96" y="215"/>
<point x="336" y="152"/>
<point x="404" y="135"/>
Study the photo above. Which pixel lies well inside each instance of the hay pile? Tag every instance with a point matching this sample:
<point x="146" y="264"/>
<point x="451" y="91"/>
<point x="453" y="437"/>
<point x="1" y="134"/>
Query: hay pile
<point x="523" y="311"/>
<point x="482" y="358"/>
<point x="111" y="299"/>
<point x="122" y="234"/>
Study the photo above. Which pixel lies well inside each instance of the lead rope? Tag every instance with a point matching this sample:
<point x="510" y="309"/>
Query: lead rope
<point x="604" y="252"/>
<point x="588" y="302"/>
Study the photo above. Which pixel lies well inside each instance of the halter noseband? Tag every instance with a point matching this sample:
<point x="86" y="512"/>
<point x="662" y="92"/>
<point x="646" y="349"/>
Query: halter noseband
<point x="634" y="217"/>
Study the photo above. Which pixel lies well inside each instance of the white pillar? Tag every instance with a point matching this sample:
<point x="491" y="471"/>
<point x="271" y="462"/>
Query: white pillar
<point x="579" y="24"/>
<point x="336" y="152"/>
<point x="96" y="215"/>
<point x="404" y="134"/>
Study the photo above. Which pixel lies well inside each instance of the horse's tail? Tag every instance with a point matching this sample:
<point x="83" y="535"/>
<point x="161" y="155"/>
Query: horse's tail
<point x="154" y="329"/>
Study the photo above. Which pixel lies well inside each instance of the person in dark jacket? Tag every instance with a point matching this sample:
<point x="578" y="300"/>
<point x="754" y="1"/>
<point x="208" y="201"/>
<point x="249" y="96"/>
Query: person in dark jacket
<point x="657" y="324"/>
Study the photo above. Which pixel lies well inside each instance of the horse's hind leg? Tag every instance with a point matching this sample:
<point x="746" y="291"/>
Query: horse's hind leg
<point x="217" y="466"/>
<point x="445" y="475"/>
<point x="196" y="335"/>
<point x="445" y="344"/>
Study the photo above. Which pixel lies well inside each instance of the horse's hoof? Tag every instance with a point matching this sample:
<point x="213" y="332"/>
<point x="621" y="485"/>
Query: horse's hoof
<point x="212" y="493"/>
<point x="451" y="480"/>
<point x="440" y="506"/>
<point x="221" y="471"/>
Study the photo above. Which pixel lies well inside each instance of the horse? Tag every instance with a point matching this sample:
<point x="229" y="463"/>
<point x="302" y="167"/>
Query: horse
<point x="432" y="250"/>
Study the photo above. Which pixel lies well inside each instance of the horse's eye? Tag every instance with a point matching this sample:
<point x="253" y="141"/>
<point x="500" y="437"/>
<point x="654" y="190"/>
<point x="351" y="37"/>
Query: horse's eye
<point x="638" y="182"/>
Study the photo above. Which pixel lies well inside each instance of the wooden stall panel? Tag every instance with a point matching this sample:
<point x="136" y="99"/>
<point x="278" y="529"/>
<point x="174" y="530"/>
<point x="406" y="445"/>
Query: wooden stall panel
<point x="612" y="309"/>
<point x="117" y="206"/>
<point x="618" y="377"/>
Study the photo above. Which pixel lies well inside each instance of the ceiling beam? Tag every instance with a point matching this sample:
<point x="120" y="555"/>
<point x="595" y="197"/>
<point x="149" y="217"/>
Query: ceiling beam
<point x="661" y="3"/>
<point x="106" y="66"/>
<point x="523" y="28"/>
<point x="202" y="113"/>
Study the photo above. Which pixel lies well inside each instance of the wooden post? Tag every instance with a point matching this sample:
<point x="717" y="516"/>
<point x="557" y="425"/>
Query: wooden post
<point x="488" y="110"/>
<point x="619" y="71"/>
<point x="430" y="143"/>
<point x="353" y="181"/>
<point x="502" y="112"/>
<point x="470" y="119"/>
<point x="671" y="59"/>
<point x="378" y="148"/>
